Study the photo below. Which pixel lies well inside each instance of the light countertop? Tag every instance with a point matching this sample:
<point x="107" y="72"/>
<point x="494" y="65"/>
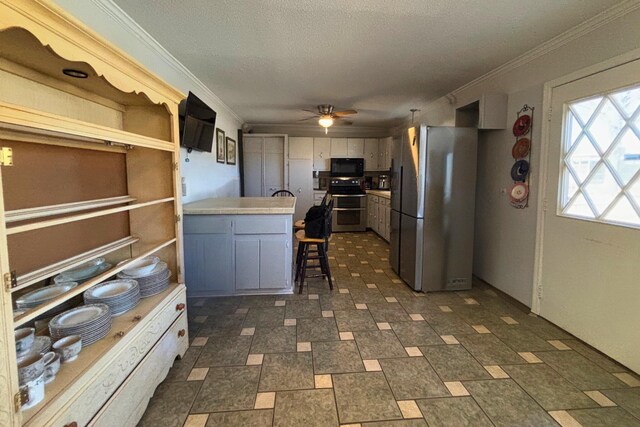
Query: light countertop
<point x="381" y="193"/>
<point x="242" y="206"/>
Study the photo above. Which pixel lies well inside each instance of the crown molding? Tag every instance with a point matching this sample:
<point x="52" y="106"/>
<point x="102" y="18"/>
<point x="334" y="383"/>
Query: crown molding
<point x="316" y="130"/>
<point x="591" y="24"/>
<point x="127" y="23"/>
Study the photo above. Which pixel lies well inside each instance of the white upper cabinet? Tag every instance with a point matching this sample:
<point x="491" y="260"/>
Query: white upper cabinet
<point x="355" y="147"/>
<point x="301" y="148"/>
<point x="321" y="154"/>
<point x="371" y="154"/>
<point x="339" y="147"/>
<point x="493" y="111"/>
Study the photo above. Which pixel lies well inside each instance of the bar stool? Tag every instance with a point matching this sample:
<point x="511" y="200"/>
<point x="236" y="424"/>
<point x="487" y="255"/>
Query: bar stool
<point x="306" y="253"/>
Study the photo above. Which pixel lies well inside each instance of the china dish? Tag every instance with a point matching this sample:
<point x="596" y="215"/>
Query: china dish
<point x="41" y="345"/>
<point x="69" y="276"/>
<point x="120" y="295"/>
<point x="43" y="295"/>
<point x="91" y="322"/>
<point x="153" y="283"/>
<point x="141" y="267"/>
<point x="24" y="338"/>
<point x="68" y="348"/>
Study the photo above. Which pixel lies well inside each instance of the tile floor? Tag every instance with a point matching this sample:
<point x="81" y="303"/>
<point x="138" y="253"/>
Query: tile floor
<point x="374" y="353"/>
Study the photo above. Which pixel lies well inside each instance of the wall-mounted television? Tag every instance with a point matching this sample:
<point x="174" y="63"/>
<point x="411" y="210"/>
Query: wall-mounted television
<point x="197" y="124"/>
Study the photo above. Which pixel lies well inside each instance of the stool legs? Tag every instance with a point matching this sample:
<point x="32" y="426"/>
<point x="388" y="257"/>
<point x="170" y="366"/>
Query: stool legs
<point x="302" y="259"/>
<point x="324" y="263"/>
<point x="303" y="271"/>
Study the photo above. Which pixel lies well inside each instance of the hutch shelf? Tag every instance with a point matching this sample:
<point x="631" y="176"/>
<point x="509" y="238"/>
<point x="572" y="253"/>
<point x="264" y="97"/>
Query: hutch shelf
<point x="89" y="167"/>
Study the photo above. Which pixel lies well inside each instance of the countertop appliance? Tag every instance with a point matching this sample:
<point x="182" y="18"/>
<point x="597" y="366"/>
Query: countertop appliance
<point x="350" y="204"/>
<point x="346" y="167"/>
<point x="432" y="207"/>
<point x="383" y="182"/>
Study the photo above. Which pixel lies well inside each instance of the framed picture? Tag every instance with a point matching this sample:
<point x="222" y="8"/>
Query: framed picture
<point x="231" y="151"/>
<point x="220" y="148"/>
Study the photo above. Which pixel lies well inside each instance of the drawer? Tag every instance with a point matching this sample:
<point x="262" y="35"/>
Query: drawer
<point x="206" y="224"/>
<point x="262" y="224"/>
<point x="385" y="202"/>
<point x="374" y="199"/>
<point x="128" y="403"/>
<point x="102" y="381"/>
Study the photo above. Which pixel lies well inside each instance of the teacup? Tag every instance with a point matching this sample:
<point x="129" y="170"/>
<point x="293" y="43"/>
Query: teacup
<point x="24" y="340"/>
<point x="68" y="347"/>
<point x="30" y="367"/>
<point x="51" y="366"/>
<point x="34" y="390"/>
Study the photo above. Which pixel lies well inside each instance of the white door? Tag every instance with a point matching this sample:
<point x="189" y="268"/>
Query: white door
<point x="273" y="164"/>
<point x="300" y="148"/>
<point x="301" y="185"/>
<point x="590" y="269"/>
<point x="253" y="166"/>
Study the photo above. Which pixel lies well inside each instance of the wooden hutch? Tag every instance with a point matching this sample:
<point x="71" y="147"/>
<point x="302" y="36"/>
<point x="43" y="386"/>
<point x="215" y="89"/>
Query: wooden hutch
<point x="90" y="168"/>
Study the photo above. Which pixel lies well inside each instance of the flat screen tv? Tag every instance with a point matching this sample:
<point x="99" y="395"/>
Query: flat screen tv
<point x="197" y="124"/>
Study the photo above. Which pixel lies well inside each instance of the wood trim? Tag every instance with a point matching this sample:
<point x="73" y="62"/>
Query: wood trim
<point x="73" y="218"/>
<point x="43" y="211"/>
<point x="42" y="123"/>
<point x="51" y="270"/>
<point x="22" y="135"/>
<point x="32" y="314"/>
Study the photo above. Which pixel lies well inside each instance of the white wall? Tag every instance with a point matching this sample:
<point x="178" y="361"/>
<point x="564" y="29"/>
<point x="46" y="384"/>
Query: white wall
<point x="204" y="176"/>
<point x="505" y="236"/>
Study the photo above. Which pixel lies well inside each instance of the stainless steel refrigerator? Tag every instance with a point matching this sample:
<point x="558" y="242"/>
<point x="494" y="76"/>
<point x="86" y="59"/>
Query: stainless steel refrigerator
<point x="432" y="206"/>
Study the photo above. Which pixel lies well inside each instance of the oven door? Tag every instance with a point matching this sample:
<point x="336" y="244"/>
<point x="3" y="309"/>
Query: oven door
<point x="349" y="213"/>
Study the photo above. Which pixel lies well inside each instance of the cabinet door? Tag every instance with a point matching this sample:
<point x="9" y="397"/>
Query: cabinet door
<point x="252" y="162"/>
<point x="301" y="184"/>
<point x="301" y="148"/>
<point x="247" y="252"/>
<point x="208" y="264"/>
<point x="382" y="153"/>
<point x="371" y="218"/>
<point x="355" y="147"/>
<point x="321" y="154"/>
<point x="339" y="147"/>
<point x="274" y="163"/>
<point x="371" y="154"/>
<point x="387" y="223"/>
<point x="387" y="153"/>
<point x="382" y="219"/>
<point x="273" y="261"/>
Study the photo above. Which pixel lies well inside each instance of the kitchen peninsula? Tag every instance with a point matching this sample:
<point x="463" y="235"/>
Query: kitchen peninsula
<point x="238" y="246"/>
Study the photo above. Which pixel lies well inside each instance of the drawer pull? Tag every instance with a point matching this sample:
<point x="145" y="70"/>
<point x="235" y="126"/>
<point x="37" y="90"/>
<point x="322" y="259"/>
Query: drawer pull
<point x="72" y="424"/>
<point x="119" y="334"/>
<point x="137" y="318"/>
<point x="181" y="332"/>
<point x="180" y="306"/>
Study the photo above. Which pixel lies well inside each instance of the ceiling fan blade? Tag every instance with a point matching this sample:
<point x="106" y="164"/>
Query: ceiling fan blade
<point x="308" y="118"/>
<point x="310" y="111"/>
<point x="343" y="122"/>
<point x="344" y="113"/>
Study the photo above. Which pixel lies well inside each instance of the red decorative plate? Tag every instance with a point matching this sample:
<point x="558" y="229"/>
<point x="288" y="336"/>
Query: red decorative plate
<point x="522" y="125"/>
<point x="519" y="192"/>
<point x="521" y="148"/>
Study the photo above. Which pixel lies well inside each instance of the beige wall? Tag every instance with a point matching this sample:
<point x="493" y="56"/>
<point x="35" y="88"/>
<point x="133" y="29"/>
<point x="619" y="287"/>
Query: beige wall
<point x="505" y="236"/>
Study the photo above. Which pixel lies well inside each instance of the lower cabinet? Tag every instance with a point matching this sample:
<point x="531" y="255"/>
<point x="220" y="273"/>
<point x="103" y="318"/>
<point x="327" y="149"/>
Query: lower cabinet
<point x="379" y="215"/>
<point x="229" y="254"/>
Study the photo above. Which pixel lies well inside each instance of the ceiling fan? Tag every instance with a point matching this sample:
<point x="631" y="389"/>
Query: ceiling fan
<point x="328" y="116"/>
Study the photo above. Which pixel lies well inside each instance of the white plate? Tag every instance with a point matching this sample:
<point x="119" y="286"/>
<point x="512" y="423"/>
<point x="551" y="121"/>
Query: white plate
<point x="141" y="267"/>
<point x="44" y="294"/>
<point x="111" y="289"/>
<point x="84" y="270"/>
<point x="77" y="317"/>
<point x="64" y="276"/>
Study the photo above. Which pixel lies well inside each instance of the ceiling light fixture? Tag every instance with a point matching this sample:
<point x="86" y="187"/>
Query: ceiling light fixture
<point x="326" y="121"/>
<point x="75" y="73"/>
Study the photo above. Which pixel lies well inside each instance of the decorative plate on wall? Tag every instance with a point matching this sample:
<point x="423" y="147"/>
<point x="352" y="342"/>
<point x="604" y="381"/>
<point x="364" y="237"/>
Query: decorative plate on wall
<point x="522" y="125"/>
<point x="521" y="148"/>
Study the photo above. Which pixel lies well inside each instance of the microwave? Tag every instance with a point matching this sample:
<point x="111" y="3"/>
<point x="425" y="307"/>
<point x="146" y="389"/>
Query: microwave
<point x="347" y="167"/>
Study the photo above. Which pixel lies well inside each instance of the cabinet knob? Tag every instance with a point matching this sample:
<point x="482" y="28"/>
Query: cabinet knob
<point x="71" y="424"/>
<point x="180" y="306"/>
<point x="181" y="332"/>
<point x="299" y="190"/>
<point x="137" y="318"/>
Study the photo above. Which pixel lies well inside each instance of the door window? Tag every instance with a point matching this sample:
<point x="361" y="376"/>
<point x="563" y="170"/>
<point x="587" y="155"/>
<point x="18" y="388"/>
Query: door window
<point x="600" y="173"/>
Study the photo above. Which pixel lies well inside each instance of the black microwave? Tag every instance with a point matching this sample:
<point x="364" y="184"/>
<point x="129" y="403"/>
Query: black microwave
<point x="347" y="167"/>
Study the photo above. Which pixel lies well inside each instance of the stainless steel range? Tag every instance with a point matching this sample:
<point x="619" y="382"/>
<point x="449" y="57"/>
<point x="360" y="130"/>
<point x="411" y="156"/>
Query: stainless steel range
<point x="350" y="204"/>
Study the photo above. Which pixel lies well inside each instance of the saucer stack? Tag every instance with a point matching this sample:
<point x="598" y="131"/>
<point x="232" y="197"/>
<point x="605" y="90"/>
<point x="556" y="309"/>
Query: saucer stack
<point x="92" y="322"/>
<point x="151" y="283"/>
<point x="120" y="295"/>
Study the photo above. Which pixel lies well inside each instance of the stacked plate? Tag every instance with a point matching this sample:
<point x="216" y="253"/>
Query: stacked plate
<point x="92" y="322"/>
<point x="83" y="272"/>
<point x="120" y="295"/>
<point x="152" y="283"/>
<point x="40" y="296"/>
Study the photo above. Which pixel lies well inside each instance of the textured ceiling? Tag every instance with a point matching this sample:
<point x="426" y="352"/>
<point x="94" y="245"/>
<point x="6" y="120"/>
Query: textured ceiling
<point x="267" y="59"/>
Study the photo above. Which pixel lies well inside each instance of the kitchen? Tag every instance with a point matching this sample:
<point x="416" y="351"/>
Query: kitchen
<point x="499" y="294"/>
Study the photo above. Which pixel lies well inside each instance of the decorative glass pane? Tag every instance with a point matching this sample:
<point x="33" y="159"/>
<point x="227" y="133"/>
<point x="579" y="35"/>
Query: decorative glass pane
<point x="622" y="211"/>
<point x="584" y="109"/>
<point x="579" y="207"/>
<point x="624" y="158"/>
<point x="593" y="187"/>
<point x="606" y="126"/>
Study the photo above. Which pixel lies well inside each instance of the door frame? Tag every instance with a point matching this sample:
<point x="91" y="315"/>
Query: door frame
<point x="616" y="61"/>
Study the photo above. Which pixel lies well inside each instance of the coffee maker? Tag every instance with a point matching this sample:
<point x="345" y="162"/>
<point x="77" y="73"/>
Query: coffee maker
<point x="383" y="182"/>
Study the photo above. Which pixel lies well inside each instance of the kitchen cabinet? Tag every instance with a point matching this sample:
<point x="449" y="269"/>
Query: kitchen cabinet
<point x="322" y="154"/>
<point x="372" y="212"/>
<point x="301" y="185"/>
<point x="301" y="148"/>
<point x="355" y="147"/>
<point x="384" y="154"/>
<point x="379" y="214"/>
<point x="260" y="261"/>
<point x="95" y="174"/>
<point x="371" y="154"/>
<point x="263" y="161"/>
<point x="339" y="147"/>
